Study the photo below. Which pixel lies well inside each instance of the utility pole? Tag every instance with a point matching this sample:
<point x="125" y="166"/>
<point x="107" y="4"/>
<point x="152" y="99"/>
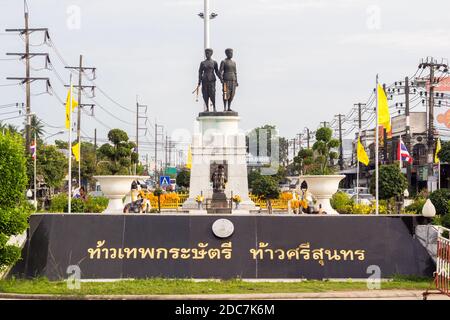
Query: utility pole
<point x="28" y="79"/>
<point x="166" y="146"/>
<point x="299" y="137"/>
<point x="157" y="133"/>
<point x="307" y="138"/>
<point x="139" y="108"/>
<point x="324" y="123"/>
<point x="433" y="65"/>
<point x="341" y="148"/>
<point x="95" y="145"/>
<point x="80" y="87"/>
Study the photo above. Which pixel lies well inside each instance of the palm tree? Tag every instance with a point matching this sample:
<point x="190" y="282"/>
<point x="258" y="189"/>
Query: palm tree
<point x="8" y="127"/>
<point x="36" y="127"/>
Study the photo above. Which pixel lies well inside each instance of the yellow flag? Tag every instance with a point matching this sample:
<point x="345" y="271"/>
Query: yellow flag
<point x="74" y="105"/>
<point x="438" y="148"/>
<point x="189" y="159"/>
<point x="76" y="151"/>
<point x="361" y="154"/>
<point x="384" y="118"/>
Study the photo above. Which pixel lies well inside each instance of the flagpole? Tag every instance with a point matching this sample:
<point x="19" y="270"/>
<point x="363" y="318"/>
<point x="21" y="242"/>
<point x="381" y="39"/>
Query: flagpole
<point x="357" y="168"/>
<point x="398" y="153"/>
<point x="34" y="164"/>
<point x="70" y="148"/>
<point x="439" y="174"/>
<point x="376" y="148"/>
<point x="79" y="164"/>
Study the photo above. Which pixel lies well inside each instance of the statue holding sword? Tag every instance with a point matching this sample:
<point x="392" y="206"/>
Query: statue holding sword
<point x="207" y="78"/>
<point x="228" y="75"/>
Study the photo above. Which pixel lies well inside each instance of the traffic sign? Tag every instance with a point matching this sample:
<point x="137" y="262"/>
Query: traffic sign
<point x="164" y="181"/>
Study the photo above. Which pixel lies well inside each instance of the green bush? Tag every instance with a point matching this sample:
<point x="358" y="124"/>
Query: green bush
<point x="96" y="204"/>
<point x="59" y="203"/>
<point x="77" y="206"/>
<point x="416" y="206"/>
<point x="14" y="209"/>
<point x="440" y="199"/>
<point x="340" y="201"/>
<point x="445" y="220"/>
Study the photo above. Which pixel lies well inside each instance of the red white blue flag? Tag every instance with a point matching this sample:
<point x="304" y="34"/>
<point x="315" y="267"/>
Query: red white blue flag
<point x="402" y="153"/>
<point x="33" y="149"/>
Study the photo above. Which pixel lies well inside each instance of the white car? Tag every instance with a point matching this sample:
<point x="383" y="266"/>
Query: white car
<point x="364" y="198"/>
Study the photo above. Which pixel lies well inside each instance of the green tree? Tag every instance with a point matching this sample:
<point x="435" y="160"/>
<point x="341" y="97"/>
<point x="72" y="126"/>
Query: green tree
<point x="323" y="147"/>
<point x="51" y="164"/>
<point x="267" y="188"/>
<point x="60" y="144"/>
<point x="391" y="182"/>
<point x="252" y="176"/>
<point x="8" y="127"/>
<point x="440" y="199"/>
<point x="183" y="178"/>
<point x="36" y="127"/>
<point x="117" y="157"/>
<point x="266" y="134"/>
<point x="87" y="166"/>
<point x="304" y="161"/>
<point x="444" y="154"/>
<point x="14" y="210"/>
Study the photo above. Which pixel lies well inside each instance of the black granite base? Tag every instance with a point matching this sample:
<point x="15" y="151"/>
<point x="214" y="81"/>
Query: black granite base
<point x="218" y="114"/>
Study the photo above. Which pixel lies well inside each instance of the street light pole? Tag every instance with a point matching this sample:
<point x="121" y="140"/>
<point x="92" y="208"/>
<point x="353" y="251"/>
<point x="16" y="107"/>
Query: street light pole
<point x="206" y="23"/>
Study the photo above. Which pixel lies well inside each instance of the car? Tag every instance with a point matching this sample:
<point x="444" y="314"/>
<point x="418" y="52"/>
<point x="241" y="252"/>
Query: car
<point x="364" y="198"/>
<point x="350" y="192"/>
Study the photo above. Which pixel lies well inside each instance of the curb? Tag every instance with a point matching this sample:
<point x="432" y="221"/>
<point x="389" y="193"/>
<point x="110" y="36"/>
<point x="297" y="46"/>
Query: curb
<point x="373" y="294"/>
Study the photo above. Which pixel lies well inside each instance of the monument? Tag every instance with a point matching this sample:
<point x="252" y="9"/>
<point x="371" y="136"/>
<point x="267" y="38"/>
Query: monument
<point x="219" y="153"/>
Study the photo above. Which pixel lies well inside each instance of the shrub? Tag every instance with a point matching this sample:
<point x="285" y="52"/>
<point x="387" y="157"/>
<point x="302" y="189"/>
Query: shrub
<point x="59" y="203"/>
<point x="340" y="201"/>
<point x="440" y="199"/>
<point x="95" y="204"/>
<point x="14" y="210"/>
<point x="77" y="206"/>
<point x="392" y="182"/>
<point x="445" y="220"/>
<point x="416" y="206"/>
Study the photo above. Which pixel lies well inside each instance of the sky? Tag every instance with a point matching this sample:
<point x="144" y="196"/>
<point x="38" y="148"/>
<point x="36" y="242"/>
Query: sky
<point x="299" y="62"/>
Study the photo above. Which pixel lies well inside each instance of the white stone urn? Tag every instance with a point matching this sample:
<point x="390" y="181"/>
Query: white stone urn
<point x="323" y="188"/>
<point x="428" y="209"/>
<point x="115" y="188"/>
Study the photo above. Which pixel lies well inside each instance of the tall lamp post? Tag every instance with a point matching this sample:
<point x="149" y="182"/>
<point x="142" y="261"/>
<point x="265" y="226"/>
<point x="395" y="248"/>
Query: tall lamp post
<point x="206" y="16"/>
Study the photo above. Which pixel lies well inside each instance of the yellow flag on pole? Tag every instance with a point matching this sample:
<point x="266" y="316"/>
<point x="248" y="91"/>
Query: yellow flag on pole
<point x="74" y="105"/>
<point x="384" y="118"/>
<point x="76" y="151"/>
<point x="438" y="148"/>
<point x="189" y="159"/>
<point x="361" y="153"/>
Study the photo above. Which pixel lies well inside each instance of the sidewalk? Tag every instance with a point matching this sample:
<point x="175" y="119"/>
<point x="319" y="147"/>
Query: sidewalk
<point x="336" y="295"/>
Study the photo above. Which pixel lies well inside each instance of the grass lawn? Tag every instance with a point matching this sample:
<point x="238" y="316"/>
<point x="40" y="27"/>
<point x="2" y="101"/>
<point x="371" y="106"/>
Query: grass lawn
<point x="164" y="286"/>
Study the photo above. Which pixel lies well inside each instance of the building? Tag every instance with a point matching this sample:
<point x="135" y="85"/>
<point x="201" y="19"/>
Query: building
<point x="418" y="148"/>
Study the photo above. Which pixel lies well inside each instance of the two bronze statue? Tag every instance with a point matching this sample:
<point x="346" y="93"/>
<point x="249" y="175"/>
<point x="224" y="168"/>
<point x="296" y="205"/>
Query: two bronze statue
<point x="227" y="75"/>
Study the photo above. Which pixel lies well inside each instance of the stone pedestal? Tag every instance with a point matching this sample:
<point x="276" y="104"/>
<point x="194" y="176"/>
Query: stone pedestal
<point x="218" y="140"/>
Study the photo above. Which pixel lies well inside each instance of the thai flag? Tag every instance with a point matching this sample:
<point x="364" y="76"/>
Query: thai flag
<point x="402" y="153"/>
<point x="33" y="149"/>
